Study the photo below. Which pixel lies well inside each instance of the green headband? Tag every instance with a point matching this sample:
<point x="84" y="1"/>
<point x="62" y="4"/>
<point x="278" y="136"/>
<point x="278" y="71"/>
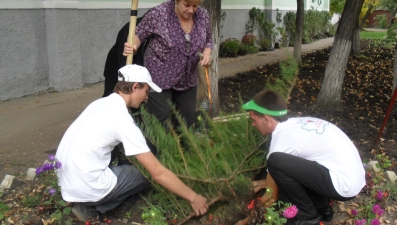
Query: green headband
<point x="251" y="105"/>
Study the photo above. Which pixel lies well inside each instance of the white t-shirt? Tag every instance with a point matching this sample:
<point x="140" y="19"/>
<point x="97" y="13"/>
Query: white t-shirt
<point x="85" y="149"/>
<point x="318" y="140"/>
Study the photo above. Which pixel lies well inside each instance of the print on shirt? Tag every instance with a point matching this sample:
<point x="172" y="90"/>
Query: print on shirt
<point x="314" y="124"/>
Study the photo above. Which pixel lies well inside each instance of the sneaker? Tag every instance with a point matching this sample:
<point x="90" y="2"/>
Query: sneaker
<point x="127" y="204"/>
<point x="327" y="213"/>
<point x="84" y="212"/>
<point x="317" y="220"/>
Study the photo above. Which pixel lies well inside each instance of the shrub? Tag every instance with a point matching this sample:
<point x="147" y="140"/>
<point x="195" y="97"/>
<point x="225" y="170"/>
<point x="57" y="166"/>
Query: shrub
<point x="316" y="25"/>
<point x="381" y="21"/>
<point x="242" y="50"/>
<point x="229" y="48"/>
<point x="391" y="34"/>
<point x="249" y="39"/>
<point x="264" y="44"/>
<point x="251" y="49"/>
<point x="289" y="24"/>
<point x="266" y="28"/>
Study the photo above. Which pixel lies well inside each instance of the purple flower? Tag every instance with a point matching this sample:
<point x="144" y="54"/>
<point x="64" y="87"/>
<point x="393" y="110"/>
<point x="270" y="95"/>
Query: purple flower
<point x="58" y="165"/>
<point x="52" y="191"/>
<point x="39" y="170"/>
<point x="51" y="157"/>
<point x="290" y="212"/>
<point x="354" y="212"/>
<point x="47" y="167"/>
<point x="379" y="195"/>
<point x="360" y="222"/>
<point x="378" y="210"/>
<point x="375" y="222"/>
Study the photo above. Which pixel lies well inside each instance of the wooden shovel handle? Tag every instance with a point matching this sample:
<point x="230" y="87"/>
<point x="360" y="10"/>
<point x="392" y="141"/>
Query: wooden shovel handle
<point x="131" y="31"/>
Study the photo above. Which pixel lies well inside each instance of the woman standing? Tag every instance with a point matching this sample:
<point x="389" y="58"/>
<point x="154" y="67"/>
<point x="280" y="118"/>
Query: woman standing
<point x="179" y="30"/>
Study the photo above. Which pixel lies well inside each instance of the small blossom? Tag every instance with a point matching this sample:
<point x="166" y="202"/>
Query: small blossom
<point x="290" y="212"/>
<point x="354" y="212"/>
<point x="379" y="195"/>
<point x="47" y="167"/>
<point x="58" y="165"/>
<point x="360" y="222"/>
<point x="52" y="191"/>
<point x="39" y="170"/>
<point x="51" y="157"/>
<point x="375" y="222"/>
<point x="378" y="210"/>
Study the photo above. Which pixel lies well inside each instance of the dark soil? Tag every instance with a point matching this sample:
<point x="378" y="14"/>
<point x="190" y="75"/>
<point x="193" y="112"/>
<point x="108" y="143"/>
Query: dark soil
<point x="366" y="95"/>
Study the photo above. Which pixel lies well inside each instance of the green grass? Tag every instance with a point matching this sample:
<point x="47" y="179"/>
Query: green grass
<point x="372" y="34"/>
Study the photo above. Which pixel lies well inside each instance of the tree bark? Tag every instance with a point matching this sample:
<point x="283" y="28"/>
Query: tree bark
<point x="394" y="70"/>
<point x="356" y="46"/>
<point x="214" y="11"/>
<point x="297" y="53"/>
<point x="331" y="88"/>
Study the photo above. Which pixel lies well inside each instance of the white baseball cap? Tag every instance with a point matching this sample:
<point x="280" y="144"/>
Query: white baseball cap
<point x="135" y="73"/>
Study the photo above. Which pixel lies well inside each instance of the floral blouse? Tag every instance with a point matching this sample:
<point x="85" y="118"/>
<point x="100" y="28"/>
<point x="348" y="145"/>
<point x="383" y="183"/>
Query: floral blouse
<point x="170" y="57"/>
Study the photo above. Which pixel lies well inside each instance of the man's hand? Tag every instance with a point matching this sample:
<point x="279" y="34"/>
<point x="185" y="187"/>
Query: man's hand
<point x="258" y="185"/>
<point x="199" y="205"/>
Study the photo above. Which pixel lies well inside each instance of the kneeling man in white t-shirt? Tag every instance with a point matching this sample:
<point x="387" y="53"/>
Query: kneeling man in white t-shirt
<point x="310" y="161"/>
<point x="86" y="179"/>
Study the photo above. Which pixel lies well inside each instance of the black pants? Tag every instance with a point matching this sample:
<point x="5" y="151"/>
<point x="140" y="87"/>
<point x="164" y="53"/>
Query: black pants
<point x="303" y="183"/>
<point x="158" y="104"/>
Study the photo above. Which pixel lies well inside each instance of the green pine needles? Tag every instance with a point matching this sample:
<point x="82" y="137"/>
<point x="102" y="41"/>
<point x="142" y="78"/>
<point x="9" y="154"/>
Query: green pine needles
<point x="216" y="159"/>
<point x="284" y="84"/>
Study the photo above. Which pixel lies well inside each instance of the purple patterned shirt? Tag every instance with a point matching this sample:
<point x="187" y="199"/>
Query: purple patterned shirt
<point x="170" y="59"/>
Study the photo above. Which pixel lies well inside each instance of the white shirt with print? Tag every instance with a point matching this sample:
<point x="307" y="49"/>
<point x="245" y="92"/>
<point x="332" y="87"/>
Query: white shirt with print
<point x="318" y="140"/>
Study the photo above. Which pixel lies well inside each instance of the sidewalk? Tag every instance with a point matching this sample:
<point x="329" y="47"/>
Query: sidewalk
<point x="32" y="126"/>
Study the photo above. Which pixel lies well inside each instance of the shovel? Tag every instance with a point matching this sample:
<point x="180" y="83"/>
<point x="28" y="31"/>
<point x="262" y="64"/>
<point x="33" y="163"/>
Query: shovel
<point x="131" y="31"/>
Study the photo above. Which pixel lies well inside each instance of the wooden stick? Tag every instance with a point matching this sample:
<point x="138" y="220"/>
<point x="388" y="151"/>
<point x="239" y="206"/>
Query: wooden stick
<point x="131" y="31"/>
<point x="392" y="100"/>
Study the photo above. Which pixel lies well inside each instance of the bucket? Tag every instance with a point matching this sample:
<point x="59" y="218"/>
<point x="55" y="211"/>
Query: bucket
<point x="208" y="108"/>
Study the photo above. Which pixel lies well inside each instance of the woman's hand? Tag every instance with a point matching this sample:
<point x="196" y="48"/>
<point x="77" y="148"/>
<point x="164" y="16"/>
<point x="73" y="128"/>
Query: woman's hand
<point x="128" y="49"/>
<point x="206" y="59"/>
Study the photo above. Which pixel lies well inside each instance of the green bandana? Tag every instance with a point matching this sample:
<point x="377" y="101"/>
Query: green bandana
<point x="251" y="105"/>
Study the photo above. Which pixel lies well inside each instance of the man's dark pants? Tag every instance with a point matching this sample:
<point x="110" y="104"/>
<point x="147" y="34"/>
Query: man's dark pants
<point x="304" y="183"/>
<point x="130" y="181"/>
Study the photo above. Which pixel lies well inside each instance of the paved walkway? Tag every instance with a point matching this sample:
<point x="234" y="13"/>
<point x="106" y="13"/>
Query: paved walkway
<point x="232" y="66"/>
<point x="32" y="126"/>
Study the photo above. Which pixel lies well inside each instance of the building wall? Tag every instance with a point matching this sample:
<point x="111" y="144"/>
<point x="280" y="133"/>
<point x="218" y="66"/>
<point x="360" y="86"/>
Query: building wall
<point x="372" y="22"/>
<point x="60" y="45"/>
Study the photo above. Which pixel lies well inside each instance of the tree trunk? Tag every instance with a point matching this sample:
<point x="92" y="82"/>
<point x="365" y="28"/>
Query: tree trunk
<point x="394" y="70"/>
<point x="362" y="23"/>
<point x="356" y="47"/>
<point x="331" y="88"/>
<point x="299" y="31"/>
<point x="214" y="11"/>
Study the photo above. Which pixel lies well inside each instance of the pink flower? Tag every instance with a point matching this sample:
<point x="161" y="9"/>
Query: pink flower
<point x="379" y="195"/>
<point x="378" y="210"/>
<point x="361" y="222"/>
<point x="290" y="212"/>
<point x="375" y="222"/>
<point x="354" y="212"/>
